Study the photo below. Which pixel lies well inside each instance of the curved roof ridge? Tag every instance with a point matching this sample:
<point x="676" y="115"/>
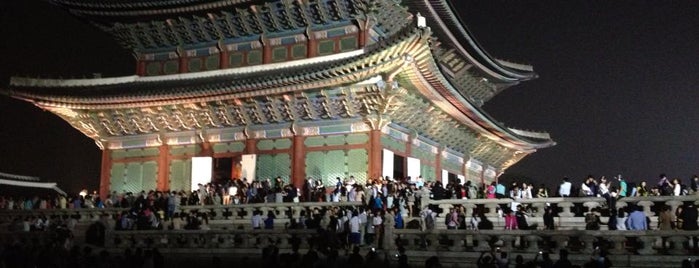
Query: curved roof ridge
<point x="83" y="82"/>
<point x="450" y="26"/>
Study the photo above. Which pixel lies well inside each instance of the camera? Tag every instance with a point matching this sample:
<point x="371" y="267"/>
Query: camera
<point x="373" y="249"/>
<point x="541" y="252"/>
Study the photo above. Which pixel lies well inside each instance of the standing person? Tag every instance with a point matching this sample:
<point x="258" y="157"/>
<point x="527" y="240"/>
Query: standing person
<point x="564" y="188"/>
<point x="354" y="224"/>
<point x="623" y="187"/>
<point x="510" y="220"/>
<point x="490" y="191"/>
<point x="500" y="190"/>
<point x="676" y="187"/>
<point x="548" y="219"/>
<point x="689" y="219"/>
<point x="377" y="222"/>
<point x="637" y="219"/>
<point x="666" y="220"/>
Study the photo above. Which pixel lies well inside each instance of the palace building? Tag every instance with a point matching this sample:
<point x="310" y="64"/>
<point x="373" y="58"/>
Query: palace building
<point x="292" y="88"/>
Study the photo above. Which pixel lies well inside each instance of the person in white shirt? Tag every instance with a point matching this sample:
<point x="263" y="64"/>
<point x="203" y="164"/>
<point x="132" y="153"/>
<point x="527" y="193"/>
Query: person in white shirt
<point x="355" y="234"/>
<point x="564" y="189"/>
<point x="527" y="191"/>
<point x="257" y="220"/>
<point x="377" y="222"/>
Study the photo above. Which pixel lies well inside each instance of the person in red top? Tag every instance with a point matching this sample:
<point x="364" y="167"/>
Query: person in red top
<point x="490" y="191"/>
<point x="510" y="220"/>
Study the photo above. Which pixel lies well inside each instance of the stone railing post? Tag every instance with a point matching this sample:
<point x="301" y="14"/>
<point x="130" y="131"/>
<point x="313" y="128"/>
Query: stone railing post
<point x="673" y="204"/>
<point x="677" y="242"/>
<point x="492" y="209"/>
<point x="561" y="242"/>
<point x="619" y="244"/>
<point x="588" y="242"/>
<point x="647" y="207"/>
<point x="647" y="243"/>
<point x="483" y="242"/>
<point x="565" y="209"/>
<point x="532" y="242"/>
<point x="507" y="241"/>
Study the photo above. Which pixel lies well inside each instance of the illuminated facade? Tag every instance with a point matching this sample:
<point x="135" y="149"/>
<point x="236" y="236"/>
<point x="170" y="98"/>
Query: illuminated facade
<point x="290" y="88"/>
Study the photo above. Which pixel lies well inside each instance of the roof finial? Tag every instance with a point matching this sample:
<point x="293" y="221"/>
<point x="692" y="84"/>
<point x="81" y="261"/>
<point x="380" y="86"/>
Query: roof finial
<point x="421" y="21"/>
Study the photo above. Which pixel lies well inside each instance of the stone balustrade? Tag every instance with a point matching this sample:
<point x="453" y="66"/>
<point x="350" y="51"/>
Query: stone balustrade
<point x="570" y="210"/>
<point x="532" y="241"/>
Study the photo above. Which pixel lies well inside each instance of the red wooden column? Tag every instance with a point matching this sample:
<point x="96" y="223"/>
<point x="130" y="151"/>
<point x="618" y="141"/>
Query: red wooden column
<point x="250" y="146"/>
<point x="375" y="161"/>
<point x="363" y="34"/>
<point x="266" y="50"/>
<point x="163" y="183"/>
<point x="438" y="166"/>
<point x="312" y="44"/>
<point x="182" y="54"/>
<point x="223" y="60"/>
<point x="105" y="172"/>
<point x="298" y="161"/>
<point x="140" y="67"/>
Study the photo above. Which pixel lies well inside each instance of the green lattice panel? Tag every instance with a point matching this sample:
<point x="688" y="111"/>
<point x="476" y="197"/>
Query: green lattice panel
<point x="229" y="147"/>
<point x="265" y="145"/>
<point x="194" y="64"/>
<point x="359" y="138"/>
<point x="314" y="164"/>
<point x="392" y="144"/>
<point x="235" y="59"/>
<point x="171" y="67"/>
<point x="272" y="166"/>
<point x="335" y="140"/>
<point x="473" y="176"/>
<point x="254" y="57"/>
<point x="153" y="68"/>
<point x="423" y="155"/>
<point x="315" y="141"/>
<point x="335" y="129"/>
<point x="181" y="175"/>
<point x="335" y="166"/>
<point x="428" y="172"/>
<point x="149" y="175"/>
<point x="279" y="54"/>
<point x="116" y="177"/>
<point x="282" y="143"/>
<point x="358" y="164"/>
<point x="184" y="150"/>
<point x="212" y="62"/>
<point x="326" y="47"/>
<point x="348" y="43"/>
<point x="451" y="165"/>
<point x="298" y="51"/>
<point x="327" y="165"/>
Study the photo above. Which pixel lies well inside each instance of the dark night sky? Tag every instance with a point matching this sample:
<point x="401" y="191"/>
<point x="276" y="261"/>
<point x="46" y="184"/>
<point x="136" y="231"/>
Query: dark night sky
<point x="617" y="87"/>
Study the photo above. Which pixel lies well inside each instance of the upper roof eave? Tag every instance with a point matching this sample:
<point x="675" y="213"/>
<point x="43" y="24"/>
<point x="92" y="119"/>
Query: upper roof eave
<point x="448" y="27"/>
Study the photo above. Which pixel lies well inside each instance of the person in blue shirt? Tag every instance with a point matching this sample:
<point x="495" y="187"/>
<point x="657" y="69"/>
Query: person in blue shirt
<point x="500" y="190"/>
<point x="636" y="219"/>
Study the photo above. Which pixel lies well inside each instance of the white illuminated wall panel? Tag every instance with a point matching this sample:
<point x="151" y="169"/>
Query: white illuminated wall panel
<point x="413" y="168"/>
<point x="249" y="164"/>
<point x="202" y="168"/>
<point x="388" y="163"/>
